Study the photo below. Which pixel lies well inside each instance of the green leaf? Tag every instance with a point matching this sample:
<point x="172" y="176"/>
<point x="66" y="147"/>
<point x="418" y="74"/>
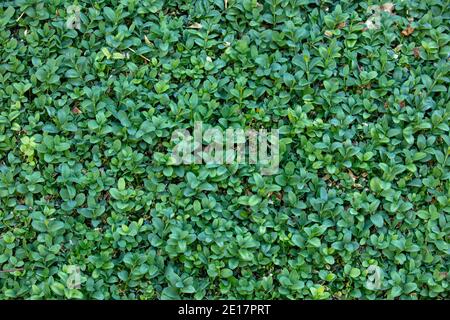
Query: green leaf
<point x="315" y="242"/>
<point x="355" y="272"/>
<point x="57" y="288"/>
<point x="226" y="273"/>
<point x="161" y="87"/>
<point x="6" y="16"/>
<point x="169" y="293"/>
<point x="375" y="184"/>
<point x="253" y="200"/>
<point x="299" y="241"/>
<point x="121" y="184"/>
<point x="109" y="13"/>
<point x="377" y="220"/>
<point x="245" y="255"/>
<point x="55" y="226"/>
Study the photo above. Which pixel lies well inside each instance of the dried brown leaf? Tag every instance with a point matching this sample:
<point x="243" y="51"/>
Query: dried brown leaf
<point x="350" y="173"/>
<point x="408" y="31"/>
<point x="342" y="25"/>
<point x="374" y="21"/>
<point x="387" y="7"/>
<point x="146" y="40"/>
<point x="195" y="25"/>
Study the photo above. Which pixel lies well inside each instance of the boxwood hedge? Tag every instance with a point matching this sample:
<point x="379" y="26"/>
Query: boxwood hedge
<point x="90" y="92"/>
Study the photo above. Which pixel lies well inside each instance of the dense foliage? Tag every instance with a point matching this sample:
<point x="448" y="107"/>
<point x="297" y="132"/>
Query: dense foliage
<point x="359" y="91"/>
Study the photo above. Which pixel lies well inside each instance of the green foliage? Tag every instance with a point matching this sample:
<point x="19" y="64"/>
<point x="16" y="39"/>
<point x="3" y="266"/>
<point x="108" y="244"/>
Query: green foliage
<point x="85" y="124"/>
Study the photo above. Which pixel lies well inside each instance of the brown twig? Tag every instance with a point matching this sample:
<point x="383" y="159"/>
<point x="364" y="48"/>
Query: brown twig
<point x="17" y="20"/>
<point x="11" y="270"/>
<point x="140" y="55"/>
